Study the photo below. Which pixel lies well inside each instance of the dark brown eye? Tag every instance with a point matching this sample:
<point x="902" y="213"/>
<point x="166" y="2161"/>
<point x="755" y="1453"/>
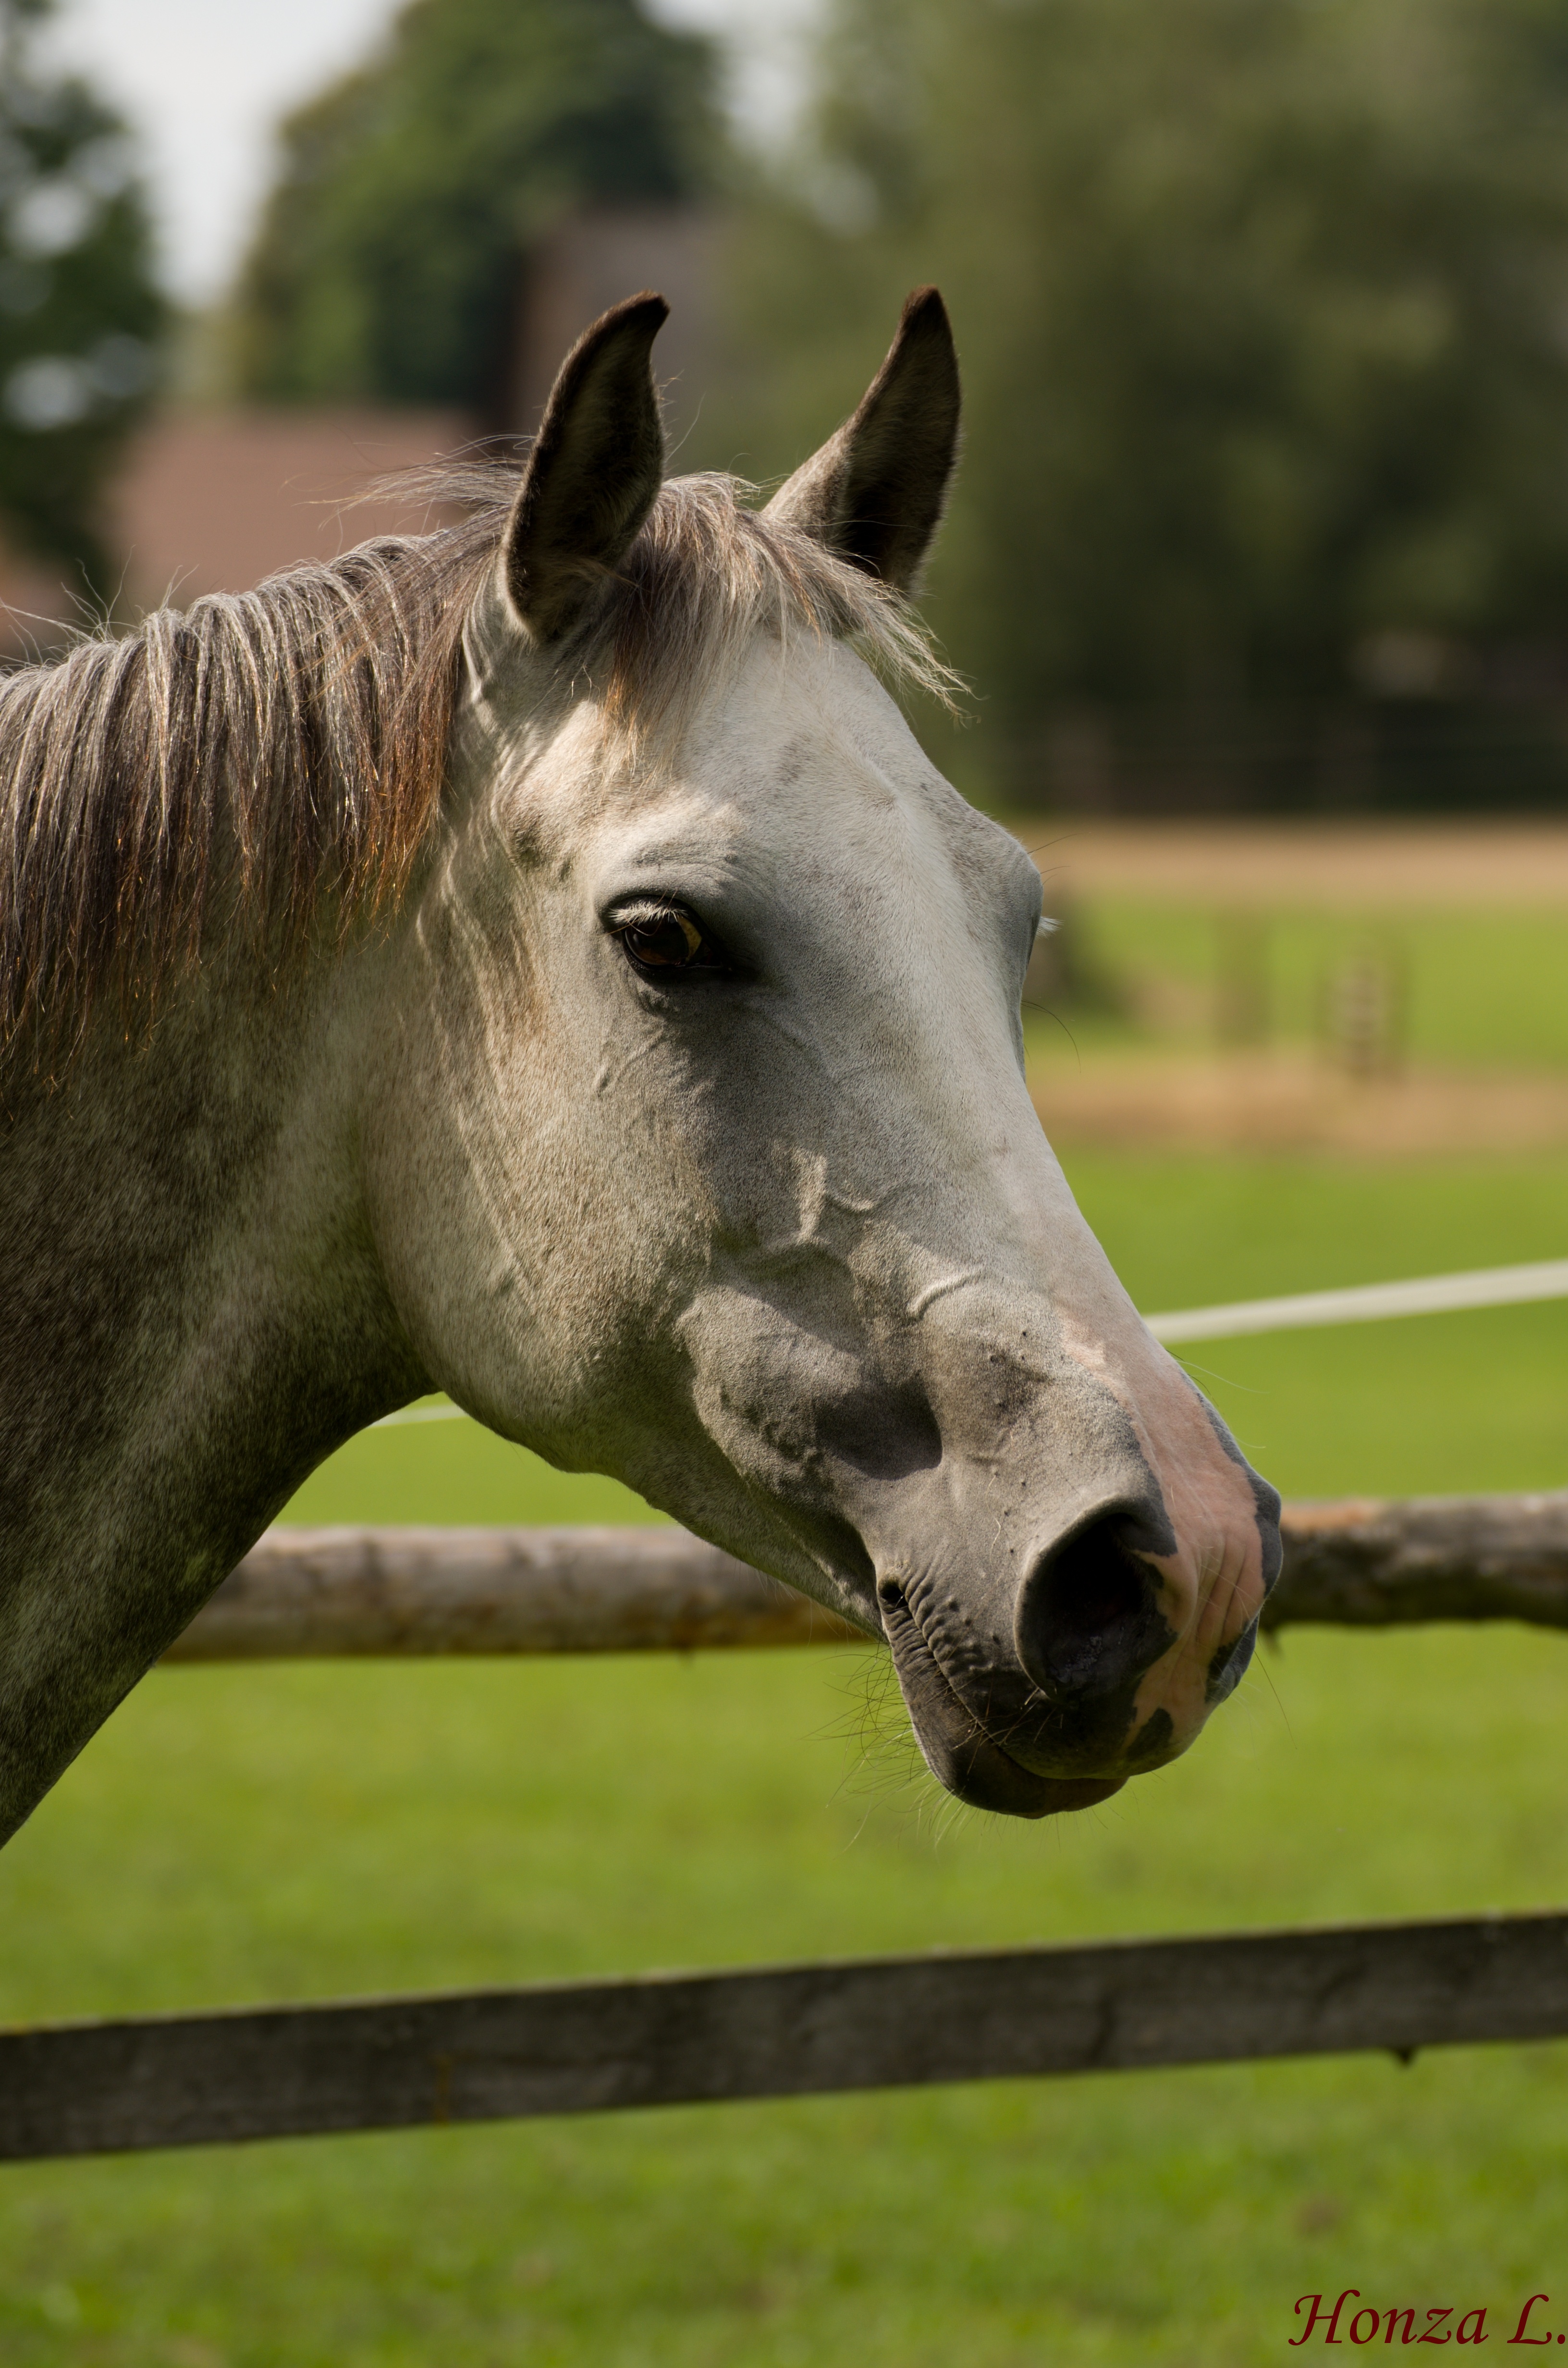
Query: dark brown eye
<point x="671" y="940"/>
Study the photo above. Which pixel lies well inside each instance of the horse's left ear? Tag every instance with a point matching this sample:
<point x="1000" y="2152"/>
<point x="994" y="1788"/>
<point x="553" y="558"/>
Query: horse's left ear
<point x="874" y="493"/>
<point x="593" y="473"/>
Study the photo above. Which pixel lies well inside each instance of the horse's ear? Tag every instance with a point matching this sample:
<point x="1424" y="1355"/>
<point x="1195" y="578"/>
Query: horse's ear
<point x="596" y="465"/>
<point x="874" y="493"/>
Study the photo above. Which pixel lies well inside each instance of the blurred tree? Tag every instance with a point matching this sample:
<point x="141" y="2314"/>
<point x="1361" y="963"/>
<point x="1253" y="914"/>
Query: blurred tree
<point x="80" y="312"/>
<point x="387" y="258"/>
<point x="1262" y="309"/>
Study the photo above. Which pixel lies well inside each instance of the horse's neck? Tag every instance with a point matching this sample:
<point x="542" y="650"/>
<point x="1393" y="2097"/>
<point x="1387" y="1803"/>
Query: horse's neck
<point x="192" y="1316"/>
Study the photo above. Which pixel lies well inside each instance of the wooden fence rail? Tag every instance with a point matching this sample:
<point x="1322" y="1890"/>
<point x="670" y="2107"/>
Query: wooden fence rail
<point x="318" y="1592"/>
<point x="668" y="2039"/>
<point x="776" y="2031"/>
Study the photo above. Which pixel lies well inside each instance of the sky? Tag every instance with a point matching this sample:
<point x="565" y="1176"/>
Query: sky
<point x="205" y="82"/>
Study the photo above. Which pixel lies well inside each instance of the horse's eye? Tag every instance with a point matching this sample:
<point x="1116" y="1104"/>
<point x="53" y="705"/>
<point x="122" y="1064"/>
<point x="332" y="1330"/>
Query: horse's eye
<point x="670" y="941"/>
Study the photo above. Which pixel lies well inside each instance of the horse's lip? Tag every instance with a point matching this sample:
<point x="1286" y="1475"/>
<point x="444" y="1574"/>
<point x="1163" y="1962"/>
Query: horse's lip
<point x="960" y="1755"/>
<point x="1028" y="1795"/>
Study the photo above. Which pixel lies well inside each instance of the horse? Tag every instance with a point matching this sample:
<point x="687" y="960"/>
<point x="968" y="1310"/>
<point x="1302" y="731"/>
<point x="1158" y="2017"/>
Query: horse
<point x="535" y="960"/>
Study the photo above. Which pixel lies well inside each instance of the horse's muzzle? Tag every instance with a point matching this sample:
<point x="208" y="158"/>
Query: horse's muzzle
<point x="1044" y="1718"/>
<point x="963" y="1752"/>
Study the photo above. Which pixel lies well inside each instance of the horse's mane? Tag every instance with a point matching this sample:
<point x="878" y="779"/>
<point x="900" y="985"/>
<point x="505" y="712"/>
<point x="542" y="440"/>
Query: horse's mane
<point x="288" y="745"/>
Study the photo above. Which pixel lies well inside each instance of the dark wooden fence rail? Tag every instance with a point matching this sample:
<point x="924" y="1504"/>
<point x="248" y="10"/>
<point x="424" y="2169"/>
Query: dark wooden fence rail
<point x="308" y="1592"/>
<point x="778" y="2031"/>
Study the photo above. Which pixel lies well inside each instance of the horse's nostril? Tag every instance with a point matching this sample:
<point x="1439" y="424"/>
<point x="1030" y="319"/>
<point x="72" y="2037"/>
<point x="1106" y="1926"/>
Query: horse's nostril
<point x="1088" y="1619"/>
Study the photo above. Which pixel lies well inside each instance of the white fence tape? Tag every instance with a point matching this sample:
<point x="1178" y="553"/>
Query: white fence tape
<point x="1432" y="1295"/>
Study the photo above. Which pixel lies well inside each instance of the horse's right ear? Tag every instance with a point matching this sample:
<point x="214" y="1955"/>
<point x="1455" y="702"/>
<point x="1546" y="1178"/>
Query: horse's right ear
<point x="874" y="493"/>
<point x="596" y="465"/>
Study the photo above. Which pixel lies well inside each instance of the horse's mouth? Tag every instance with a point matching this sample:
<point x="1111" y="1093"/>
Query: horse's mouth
<point x="966" y="1761"/>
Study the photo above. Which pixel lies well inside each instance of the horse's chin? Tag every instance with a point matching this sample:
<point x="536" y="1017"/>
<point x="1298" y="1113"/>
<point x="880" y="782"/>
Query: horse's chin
<point x="980" y="1773"/>
<point x="960" y="1755"/>
<point x="1014" y="1790"/>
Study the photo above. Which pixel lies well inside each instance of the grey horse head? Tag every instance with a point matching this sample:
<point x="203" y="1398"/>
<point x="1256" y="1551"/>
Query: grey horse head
<point x="536" y="960"/>
<point x="698" y="1149"/>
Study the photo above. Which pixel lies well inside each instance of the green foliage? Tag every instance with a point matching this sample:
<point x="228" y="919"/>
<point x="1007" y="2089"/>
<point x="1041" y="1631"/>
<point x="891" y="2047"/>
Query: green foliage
<point x="1260" y="304"/>
<point x="388" y="258"/>
<point x="80" y="313"/>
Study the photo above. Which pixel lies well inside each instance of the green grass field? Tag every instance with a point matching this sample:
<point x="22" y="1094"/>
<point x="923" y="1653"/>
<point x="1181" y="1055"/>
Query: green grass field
<point x="293" y="1832"/>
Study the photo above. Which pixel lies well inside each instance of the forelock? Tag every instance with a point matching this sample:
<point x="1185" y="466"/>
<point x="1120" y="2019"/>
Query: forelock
<point x="705" y="576"/>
